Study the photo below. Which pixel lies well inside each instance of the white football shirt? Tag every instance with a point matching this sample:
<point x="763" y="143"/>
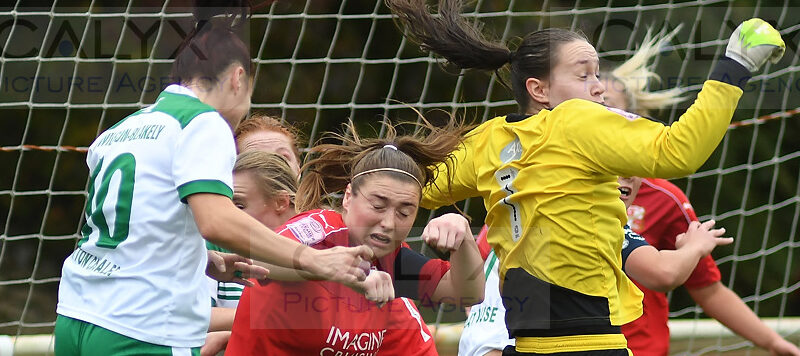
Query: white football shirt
<point x="485" y="327"/>
<point x="139" y="269"/>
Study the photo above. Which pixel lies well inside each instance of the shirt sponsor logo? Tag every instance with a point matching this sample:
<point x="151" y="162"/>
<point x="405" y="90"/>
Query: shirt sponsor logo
<point x="93" y="263"/>
<point x="307" y="230"/>
<point x="482" y="314"/>
<point x="345" y="343"/>
<point x="629" y="234"/>
<point x="512" y="151"/>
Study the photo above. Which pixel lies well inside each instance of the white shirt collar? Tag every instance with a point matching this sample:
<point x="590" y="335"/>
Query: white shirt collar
<point x="179" y="89"/>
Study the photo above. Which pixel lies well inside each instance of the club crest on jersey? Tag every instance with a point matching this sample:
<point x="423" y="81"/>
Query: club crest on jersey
<point x="636" y="217"/>
<point x="308" y="230"/>
<point x="625" y="114"/>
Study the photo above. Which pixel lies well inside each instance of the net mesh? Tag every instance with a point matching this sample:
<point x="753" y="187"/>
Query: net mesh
<point x="71" y="70"/>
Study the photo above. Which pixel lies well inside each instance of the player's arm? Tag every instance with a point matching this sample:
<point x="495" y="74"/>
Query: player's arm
<point x="721" y="303"/>
<point x="376" y="287"/>
<point x="464" y="282"/>
<point x="215" y="343"/>
<point x="202" y="166"/>
<point x="650" y="149"/>
<point x="221" y="223"/>
<point x="295" y="262"/>
<point x="654" y="150"/>
<point x="230" y="267"/>
<point x="456" y="179"/>
<point x="666" y="269"/>
<point x="221" y="319"/>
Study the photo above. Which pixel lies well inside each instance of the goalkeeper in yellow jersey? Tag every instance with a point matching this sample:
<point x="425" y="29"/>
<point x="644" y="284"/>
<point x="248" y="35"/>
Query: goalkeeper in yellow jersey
<point x="548" y="176"/>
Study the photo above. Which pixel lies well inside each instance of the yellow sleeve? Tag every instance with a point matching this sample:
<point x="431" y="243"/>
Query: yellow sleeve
<point x="461" y="169"/>
<point x="617" y="143"/>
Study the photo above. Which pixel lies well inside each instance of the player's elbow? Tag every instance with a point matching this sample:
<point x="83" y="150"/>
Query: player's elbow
<point x="678" y="167"/>
<point x="473" y="295"/>
<point x="658" y="279"/>
<point x="460" y="295"/>
<point x="209" y="229"/>
<point x="470" y="299"/>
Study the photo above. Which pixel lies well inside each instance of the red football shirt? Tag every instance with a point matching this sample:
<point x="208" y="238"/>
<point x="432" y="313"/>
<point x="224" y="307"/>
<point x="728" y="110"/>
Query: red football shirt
<point x="407" y="334"/>
<point x="327" y="318"/>
<point x="661" y="212"/>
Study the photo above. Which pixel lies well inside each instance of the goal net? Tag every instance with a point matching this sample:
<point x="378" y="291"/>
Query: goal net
<point x="71" y="70"/>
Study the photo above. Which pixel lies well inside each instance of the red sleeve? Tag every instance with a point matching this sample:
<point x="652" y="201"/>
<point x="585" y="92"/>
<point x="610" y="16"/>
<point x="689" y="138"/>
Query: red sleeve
<point x="705" y="274"/>
<point x="483" y="244"/>
<point x="669" y="213"/>
<point x="430" y="275"/>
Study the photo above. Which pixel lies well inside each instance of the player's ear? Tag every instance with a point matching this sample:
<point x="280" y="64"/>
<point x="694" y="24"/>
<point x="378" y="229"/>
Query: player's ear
<point x="538" y="90"/>
<point x="238" y="79"/>
<point x="348" y="195"/>
<point x="282" y="202"/>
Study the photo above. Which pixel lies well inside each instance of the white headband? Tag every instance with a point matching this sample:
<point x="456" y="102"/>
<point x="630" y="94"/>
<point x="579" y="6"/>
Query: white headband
<point x="388" y="170"/>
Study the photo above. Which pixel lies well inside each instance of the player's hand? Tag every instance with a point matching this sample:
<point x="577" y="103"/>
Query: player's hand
<point x="447" y="232"/>
<point x="215" y="342"/>
<point x="702" y="237"/>
<point x="753" y="43"/>
<point x="377" y="287"/>
<point x="345" y="265"/>
<point x="229" y="267"/>
<point x="781" y="347"/>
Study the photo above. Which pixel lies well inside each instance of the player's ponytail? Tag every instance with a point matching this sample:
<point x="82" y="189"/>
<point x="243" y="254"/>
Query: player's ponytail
<point x="408" y="158"/>
<point x="449" y="35"/>
<point x="632" y="76"/>
<point x="213" y="45"/>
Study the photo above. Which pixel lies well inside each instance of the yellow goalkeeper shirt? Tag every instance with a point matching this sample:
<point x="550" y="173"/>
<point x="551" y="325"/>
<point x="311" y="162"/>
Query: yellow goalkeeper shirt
<point x="549" y="184"/>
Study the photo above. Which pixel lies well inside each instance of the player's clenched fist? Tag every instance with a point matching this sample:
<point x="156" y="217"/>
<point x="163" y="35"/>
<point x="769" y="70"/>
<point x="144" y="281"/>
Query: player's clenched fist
<point x="753" y="43"/>
<point x="447" y="232"/>
<point x="378" y="287"/>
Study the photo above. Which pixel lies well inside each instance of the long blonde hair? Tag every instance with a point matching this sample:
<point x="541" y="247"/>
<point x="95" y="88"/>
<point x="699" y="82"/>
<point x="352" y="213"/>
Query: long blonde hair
<point x="634" y="75"/>
<point x="272" y="173"/>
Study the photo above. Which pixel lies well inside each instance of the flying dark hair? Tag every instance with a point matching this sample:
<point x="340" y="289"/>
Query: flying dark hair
<point x="213" y="45"/>
<point x="330" y="167"/>
<point x="461" y="43"/>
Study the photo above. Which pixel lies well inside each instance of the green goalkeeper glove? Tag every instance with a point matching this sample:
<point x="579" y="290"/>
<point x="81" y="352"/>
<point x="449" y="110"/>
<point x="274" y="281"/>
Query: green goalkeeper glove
<point x="753" y="42"/>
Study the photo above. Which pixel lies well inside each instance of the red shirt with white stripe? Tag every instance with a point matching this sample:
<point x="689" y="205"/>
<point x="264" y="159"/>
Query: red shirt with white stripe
<point x="327" y="318"/>
<point x="407" y="334"/>
<point x="660" y="212"/>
